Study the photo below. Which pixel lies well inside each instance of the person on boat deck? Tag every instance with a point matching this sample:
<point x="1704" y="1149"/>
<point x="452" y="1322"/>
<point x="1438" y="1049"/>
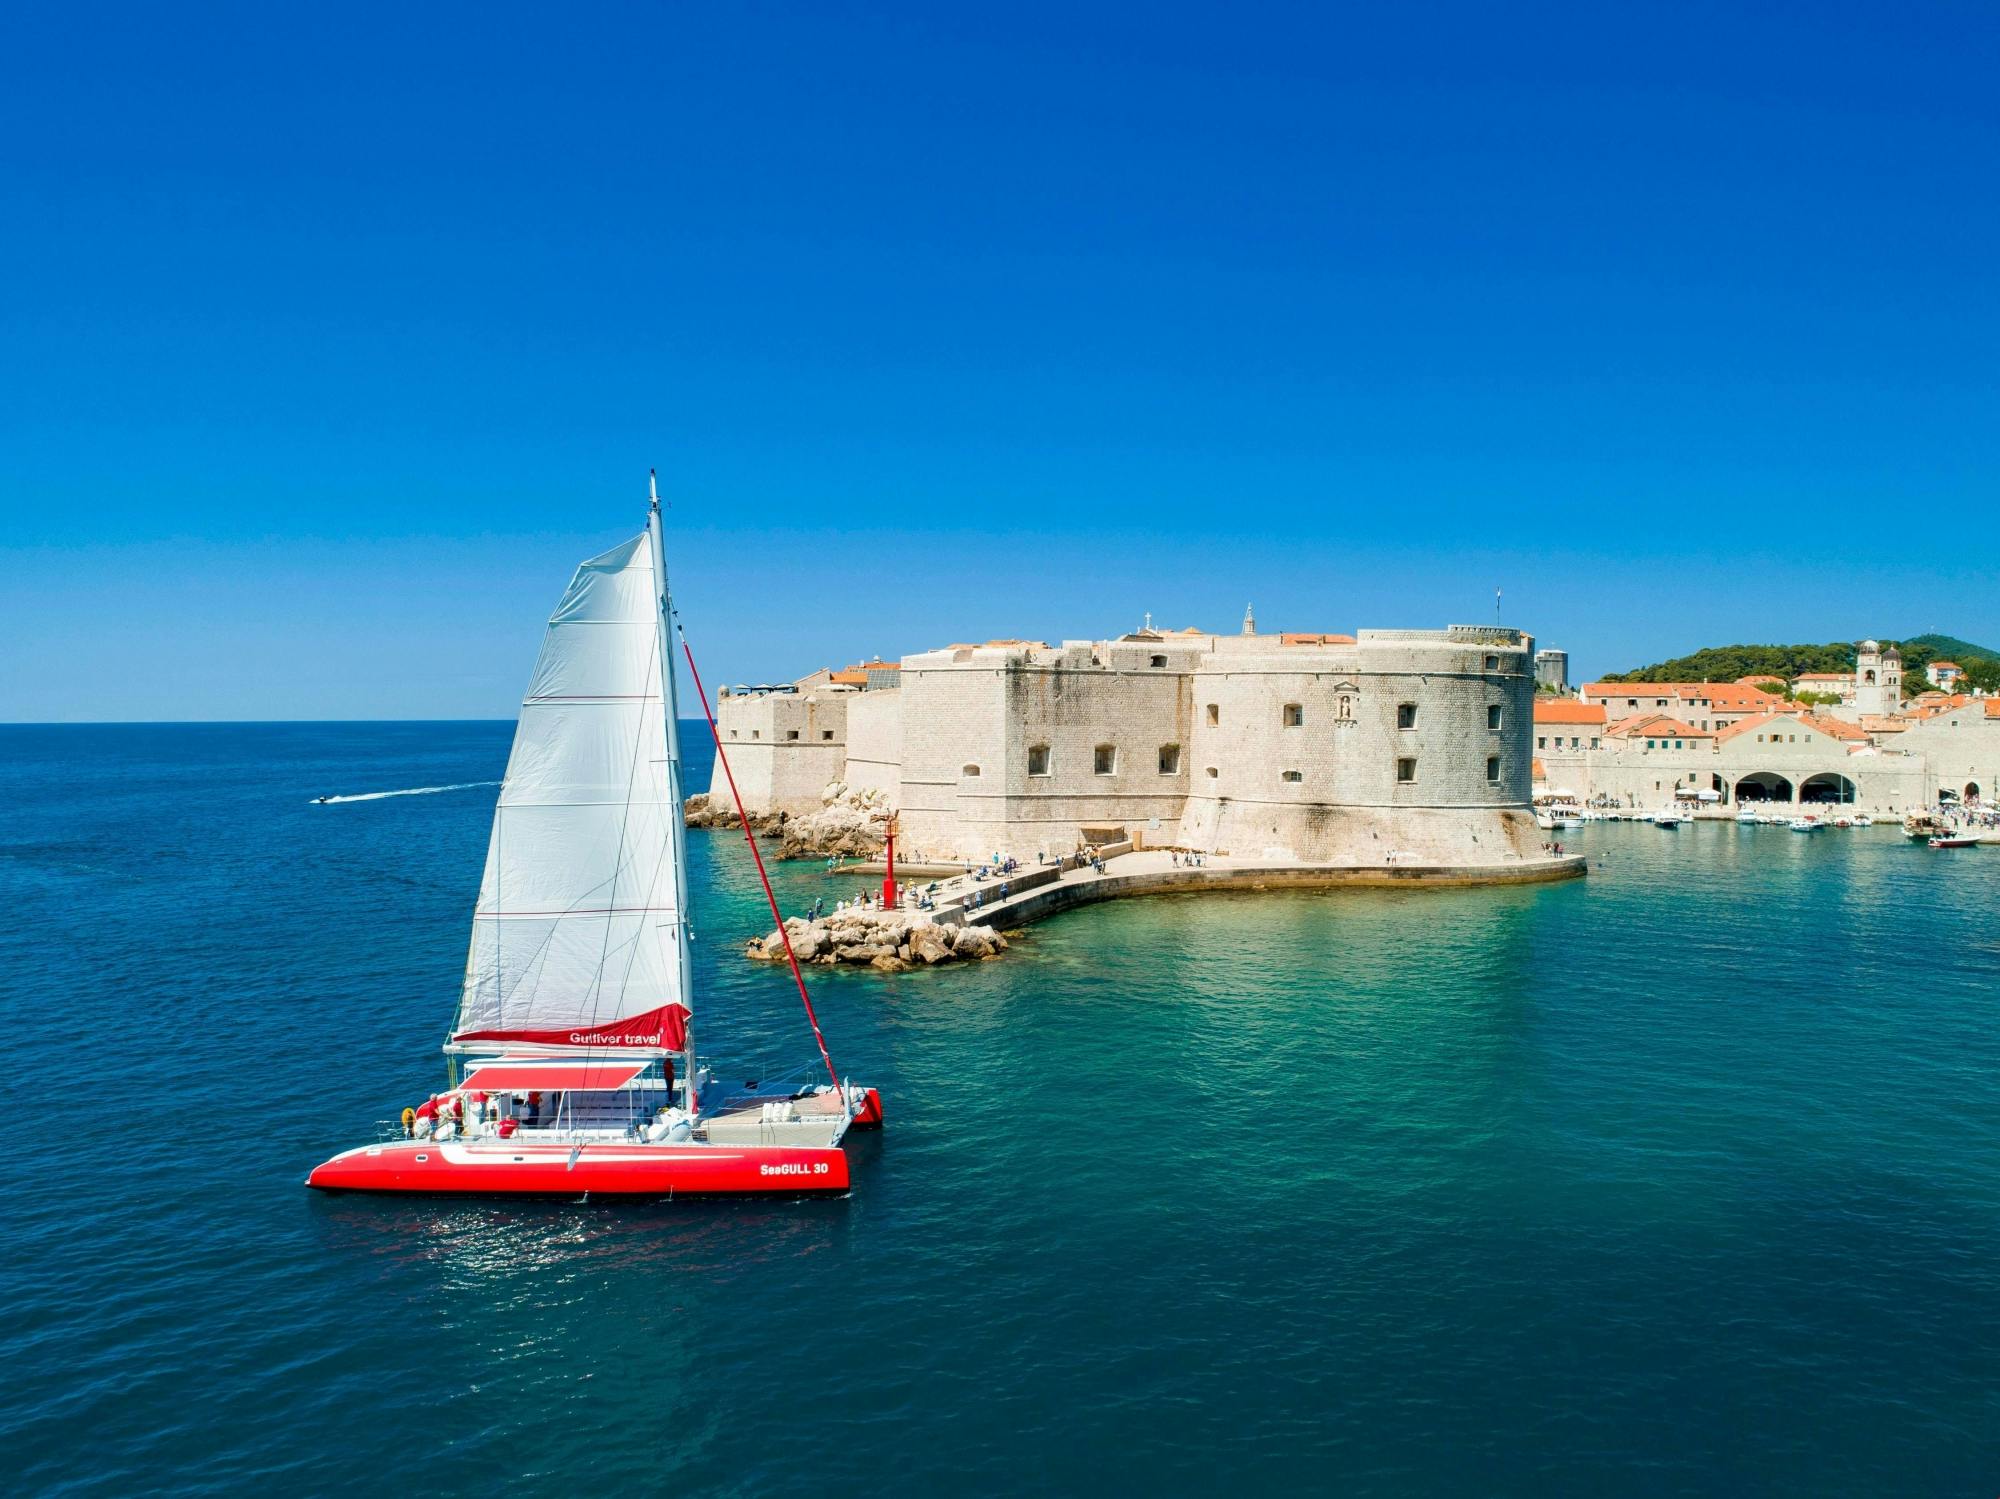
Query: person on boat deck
<point x="425" y="1120"/>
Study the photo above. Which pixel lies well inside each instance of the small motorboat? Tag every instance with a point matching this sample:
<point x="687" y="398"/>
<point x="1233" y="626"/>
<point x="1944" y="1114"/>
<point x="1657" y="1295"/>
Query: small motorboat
<point x="1748" y="819"/>
<point x="1665" y="820"/>
<point x="1803" y="825"/>
<point x="1955" y="840"/>
<point x="1864" y="821"/>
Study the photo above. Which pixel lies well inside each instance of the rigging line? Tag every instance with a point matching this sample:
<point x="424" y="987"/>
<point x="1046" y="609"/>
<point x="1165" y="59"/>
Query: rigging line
<point x="743" y="820"/>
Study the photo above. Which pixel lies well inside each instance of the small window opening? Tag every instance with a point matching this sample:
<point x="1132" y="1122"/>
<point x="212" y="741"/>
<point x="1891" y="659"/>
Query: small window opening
<point x="1170" y="759"/>
<point x="1294" y="775"/>
<point x="1406" y="771"/>
<point x="1493" y="770"/>
<point x="971" y="772"/>
<point x="1492" y="715"/>
<point x="1038" y="760"/>
<point x="1104" y="759"/>
<point x="1295" y="715"/>
<point x="1156" y="661"/>
<point x="1214" y="714"/>
<point x="1406" y="715"/>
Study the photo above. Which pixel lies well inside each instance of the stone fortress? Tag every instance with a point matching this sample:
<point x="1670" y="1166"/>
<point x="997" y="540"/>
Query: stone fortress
<point x="1410" y="747"/>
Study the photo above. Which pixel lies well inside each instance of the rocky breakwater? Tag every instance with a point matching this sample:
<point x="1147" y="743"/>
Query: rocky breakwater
<point x="849" y="820"/>
<point x="890" y="941"/>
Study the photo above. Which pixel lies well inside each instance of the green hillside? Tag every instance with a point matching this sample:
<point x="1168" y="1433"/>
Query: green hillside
<point x="1951" y="648"/>
<point x="1725" y="663"/>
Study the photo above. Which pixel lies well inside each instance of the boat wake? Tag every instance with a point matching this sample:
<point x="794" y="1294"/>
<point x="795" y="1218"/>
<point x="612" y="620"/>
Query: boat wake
<point x="376" y="796"/>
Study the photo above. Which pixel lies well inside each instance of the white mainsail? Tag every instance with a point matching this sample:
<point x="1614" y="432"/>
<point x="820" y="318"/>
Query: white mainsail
<point x="576" y="939"/>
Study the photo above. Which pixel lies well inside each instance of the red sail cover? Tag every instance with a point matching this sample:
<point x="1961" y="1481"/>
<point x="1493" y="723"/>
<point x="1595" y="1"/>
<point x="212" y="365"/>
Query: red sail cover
<point x="664" y="1029"/>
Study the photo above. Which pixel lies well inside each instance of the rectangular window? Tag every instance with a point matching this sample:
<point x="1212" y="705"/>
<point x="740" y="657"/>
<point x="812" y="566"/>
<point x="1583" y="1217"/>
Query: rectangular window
<point x="756" y="733"/>
<point x="1170" y="759"/>
<point x="1038" y="760"/>
<point x="791" y="733"/>
<point x="1492" y="663"/>
<point x="1156" y="661"/>
<point x="1593" y="744"/>
<point x="1542" y="742"/>
<point x="1295" y="715"/>
<point x="1406" y="715"/>
<point x="1214" y="715"/>
<point x="824" y="734"/>
<point x="1492" y="715"/>
<point x="1105" y="760"/>
<point x="1492" y="770"/>
<point x="1294" y="775"/>
<point x="1406" y="771"/>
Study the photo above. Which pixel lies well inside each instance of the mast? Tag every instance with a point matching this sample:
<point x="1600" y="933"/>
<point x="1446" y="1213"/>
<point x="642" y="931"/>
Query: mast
<point x="676" y="792"/>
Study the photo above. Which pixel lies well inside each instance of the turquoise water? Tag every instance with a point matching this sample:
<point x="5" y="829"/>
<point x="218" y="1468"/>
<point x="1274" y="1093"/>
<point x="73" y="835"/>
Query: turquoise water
<point x="1684" y="1179"/>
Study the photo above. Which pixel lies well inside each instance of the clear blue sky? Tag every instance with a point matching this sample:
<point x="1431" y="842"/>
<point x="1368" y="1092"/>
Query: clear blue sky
<point x="334" y="335"/>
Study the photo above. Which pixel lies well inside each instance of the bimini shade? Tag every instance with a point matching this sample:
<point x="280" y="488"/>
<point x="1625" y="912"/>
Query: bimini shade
<point x="504" y="1076"/>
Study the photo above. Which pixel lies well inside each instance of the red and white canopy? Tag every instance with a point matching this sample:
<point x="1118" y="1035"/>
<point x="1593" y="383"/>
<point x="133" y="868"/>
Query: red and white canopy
<point x="544" y="1075"/>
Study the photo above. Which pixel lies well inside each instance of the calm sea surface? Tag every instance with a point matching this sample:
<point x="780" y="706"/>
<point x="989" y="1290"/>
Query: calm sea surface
<point x="1684" y="1179"/>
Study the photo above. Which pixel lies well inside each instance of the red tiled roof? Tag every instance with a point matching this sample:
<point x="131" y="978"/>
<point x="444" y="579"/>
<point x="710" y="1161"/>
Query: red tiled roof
<point x="1567" y="710"/>
<point x="1656" y="726"/>
<point x="1726" y="696"/>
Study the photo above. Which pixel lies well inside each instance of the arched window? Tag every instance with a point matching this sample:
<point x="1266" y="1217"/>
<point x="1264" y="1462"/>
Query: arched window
<point x="1211" y="772"/>
<point x="970" y="772"/>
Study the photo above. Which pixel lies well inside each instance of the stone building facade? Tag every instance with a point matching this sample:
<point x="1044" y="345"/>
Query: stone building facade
<point x="1389" y="745"/>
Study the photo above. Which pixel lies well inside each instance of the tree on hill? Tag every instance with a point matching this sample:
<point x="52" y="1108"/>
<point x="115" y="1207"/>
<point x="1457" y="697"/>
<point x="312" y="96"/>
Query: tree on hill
<point x="1725" y="663"/>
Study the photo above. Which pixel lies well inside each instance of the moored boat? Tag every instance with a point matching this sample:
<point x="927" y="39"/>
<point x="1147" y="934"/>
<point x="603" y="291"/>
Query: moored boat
<point x="1955" y="840"/>
<point x="1803" y="825"/>
<point x="571" y="1063"/>
<point x="1665" y="820"/>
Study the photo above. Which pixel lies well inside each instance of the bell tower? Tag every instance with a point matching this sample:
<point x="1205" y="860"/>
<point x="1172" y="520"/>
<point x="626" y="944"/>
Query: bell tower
<point x="1868" y="693"/>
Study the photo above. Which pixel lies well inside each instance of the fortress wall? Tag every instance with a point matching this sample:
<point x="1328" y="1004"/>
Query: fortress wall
<point x="875" y="742"/>
<point x="954" y="737"/>
<point x="784" y="747"/>
<point x="1347" y="802"/>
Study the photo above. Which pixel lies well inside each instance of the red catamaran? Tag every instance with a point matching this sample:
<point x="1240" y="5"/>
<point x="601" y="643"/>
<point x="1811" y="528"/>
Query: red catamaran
<point x="572" y="1062"/>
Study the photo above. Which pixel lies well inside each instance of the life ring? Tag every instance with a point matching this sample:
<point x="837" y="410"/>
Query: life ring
<point x="409" y="1122"/>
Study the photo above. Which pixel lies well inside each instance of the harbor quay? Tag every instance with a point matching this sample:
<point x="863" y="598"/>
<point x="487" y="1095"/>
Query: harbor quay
<point x="1858" y="748"/>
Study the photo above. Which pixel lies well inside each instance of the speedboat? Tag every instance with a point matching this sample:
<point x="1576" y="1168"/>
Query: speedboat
<point x="571" y="1065"/>
<point x="1955" y="840"/>
<point x="1748" y="819"/>
<point x="1665" y="820"/>
<point x="1803" y="825"/>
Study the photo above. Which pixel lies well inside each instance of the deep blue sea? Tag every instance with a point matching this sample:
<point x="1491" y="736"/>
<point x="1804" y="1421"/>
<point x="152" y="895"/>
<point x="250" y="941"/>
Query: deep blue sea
<point x="1684" y="1179"/>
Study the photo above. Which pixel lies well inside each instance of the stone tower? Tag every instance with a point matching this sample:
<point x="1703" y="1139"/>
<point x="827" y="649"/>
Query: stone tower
<point x="1869" y="666"/>
<point x="1249" y="621"/>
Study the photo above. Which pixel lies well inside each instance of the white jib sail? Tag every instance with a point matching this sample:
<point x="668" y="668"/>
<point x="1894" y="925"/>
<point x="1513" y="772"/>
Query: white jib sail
<point x="574" y="942"/>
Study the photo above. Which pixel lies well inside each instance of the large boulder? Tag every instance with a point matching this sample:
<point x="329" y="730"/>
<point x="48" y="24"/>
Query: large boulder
<point x="977" y="942"/>
<point x="864" y="952"/>
<point x="931" y="943"/>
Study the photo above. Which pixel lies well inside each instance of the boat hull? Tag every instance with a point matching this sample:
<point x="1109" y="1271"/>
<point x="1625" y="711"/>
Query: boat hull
<point x="502" y="1168"/>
